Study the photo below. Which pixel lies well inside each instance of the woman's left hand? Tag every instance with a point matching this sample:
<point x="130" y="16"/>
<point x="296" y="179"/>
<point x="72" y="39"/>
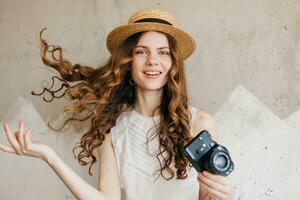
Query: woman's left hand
<point x="215" y="186"/>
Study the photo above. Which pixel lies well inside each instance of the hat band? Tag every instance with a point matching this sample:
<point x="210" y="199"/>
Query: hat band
<point x="153" y="20"/>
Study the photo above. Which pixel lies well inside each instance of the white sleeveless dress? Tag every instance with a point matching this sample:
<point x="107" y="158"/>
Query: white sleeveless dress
<point x="138" y="165"/>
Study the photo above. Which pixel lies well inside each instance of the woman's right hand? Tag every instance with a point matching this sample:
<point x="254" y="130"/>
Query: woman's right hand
<point x="21" y="144"/>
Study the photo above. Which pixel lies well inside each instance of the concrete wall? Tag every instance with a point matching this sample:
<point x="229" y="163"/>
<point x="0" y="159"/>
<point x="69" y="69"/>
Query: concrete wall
<point x="245" y="71"/>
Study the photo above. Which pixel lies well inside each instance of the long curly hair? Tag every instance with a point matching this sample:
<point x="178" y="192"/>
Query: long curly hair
<point x="100" y="95"/>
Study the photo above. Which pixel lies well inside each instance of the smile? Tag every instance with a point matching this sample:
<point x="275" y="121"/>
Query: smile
<point x="152" y="74"/>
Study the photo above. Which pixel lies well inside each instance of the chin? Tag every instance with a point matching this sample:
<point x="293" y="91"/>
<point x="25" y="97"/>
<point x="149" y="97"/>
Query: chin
<point x="153" y="87"/>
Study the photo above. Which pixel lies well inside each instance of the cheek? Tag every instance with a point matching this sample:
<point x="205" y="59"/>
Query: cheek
<point x="168" y="67"/>
<point x="136" y="64"/>
<point x="167" y="64"/>
<point x="134" y="71"/>
<point x="134" y="75"/>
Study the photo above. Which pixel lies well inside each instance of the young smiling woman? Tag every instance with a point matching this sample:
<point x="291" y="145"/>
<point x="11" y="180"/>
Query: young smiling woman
<point x="151" y="62"/>
<point x="140" y="117"/>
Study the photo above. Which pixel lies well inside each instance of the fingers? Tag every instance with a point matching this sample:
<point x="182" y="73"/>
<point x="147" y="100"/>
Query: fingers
<point x="21" y="135"/>
<point x="8" y="149"/>
<point x="12" y="140"/>
<point x="27" y="140"/>
<point x="20" y="142"/>
<point x="216" y="185"/>
<point x="216" y="178"/>
<point x="212" y="192"/>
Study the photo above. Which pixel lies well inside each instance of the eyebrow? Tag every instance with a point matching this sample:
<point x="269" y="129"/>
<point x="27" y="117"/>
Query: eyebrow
<point x="143" y="46"/>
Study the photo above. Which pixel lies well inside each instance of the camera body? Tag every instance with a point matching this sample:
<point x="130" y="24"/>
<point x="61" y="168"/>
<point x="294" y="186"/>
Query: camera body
<point x="205" y="154"/>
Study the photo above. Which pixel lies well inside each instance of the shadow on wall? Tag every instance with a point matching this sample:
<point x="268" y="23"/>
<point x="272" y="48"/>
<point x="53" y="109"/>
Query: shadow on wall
<point x="263" y="148"/>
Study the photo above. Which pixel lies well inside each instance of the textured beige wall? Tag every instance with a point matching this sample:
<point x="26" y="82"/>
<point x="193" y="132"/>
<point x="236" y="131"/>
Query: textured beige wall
<point x="245" y="71"/>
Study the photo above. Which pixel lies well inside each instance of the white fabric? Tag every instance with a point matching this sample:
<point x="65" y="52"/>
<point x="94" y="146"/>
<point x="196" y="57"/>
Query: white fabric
<point x="138" y="165"/>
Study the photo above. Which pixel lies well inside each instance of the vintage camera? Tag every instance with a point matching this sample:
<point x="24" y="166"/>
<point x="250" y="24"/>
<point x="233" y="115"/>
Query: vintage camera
<point x="205" y="154"/>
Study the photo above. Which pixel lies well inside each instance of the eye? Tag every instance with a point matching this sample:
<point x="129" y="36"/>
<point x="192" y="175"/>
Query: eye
<point x="140" y="52"/>
<point x="165" y="53"/>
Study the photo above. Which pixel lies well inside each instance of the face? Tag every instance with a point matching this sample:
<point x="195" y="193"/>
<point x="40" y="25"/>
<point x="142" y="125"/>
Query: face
<point x="151" y="61"/>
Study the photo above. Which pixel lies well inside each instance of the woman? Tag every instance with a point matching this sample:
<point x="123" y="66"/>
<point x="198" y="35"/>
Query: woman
<point x="140" y="117"/>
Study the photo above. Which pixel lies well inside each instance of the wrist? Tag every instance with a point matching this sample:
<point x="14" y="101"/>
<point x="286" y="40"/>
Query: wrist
<point x="50" y="157"/>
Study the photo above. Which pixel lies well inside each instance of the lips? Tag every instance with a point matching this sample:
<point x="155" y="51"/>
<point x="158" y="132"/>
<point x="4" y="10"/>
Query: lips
<point x="152" y="73"/>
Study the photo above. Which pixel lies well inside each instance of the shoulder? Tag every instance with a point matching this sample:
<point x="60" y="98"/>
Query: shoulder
<point x="204" y="121"/>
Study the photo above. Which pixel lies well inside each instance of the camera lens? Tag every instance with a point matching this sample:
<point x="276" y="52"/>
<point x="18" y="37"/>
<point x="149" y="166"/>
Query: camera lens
<point x="220" y="161"/>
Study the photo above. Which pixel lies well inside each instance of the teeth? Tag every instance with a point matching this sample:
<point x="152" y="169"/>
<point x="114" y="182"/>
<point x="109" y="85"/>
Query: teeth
<point x="152" y="73"/>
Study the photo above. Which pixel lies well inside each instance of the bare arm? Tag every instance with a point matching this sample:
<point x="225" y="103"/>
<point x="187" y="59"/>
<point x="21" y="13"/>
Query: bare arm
<point x="204" y="121"/>
<point x="109" y="181"/>
<point x="109" y="185"/>
<point x="21" y="144"/>
<point x="212" y="186"/>
<point x="79" y="187"/>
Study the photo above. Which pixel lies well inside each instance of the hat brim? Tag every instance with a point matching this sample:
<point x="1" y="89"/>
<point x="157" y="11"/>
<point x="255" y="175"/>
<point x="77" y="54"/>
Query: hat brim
<point x="117" y="36"/>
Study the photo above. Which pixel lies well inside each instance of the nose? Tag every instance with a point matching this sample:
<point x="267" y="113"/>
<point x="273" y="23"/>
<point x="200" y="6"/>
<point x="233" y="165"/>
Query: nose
<point x="152" y="59"/>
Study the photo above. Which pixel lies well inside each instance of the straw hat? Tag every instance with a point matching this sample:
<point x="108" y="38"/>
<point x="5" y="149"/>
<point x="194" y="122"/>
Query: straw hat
<point x="151" y="20"/>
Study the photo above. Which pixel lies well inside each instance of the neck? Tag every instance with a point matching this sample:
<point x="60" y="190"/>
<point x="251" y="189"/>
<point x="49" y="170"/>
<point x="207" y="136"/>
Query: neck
<point x="147" y="101"/>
